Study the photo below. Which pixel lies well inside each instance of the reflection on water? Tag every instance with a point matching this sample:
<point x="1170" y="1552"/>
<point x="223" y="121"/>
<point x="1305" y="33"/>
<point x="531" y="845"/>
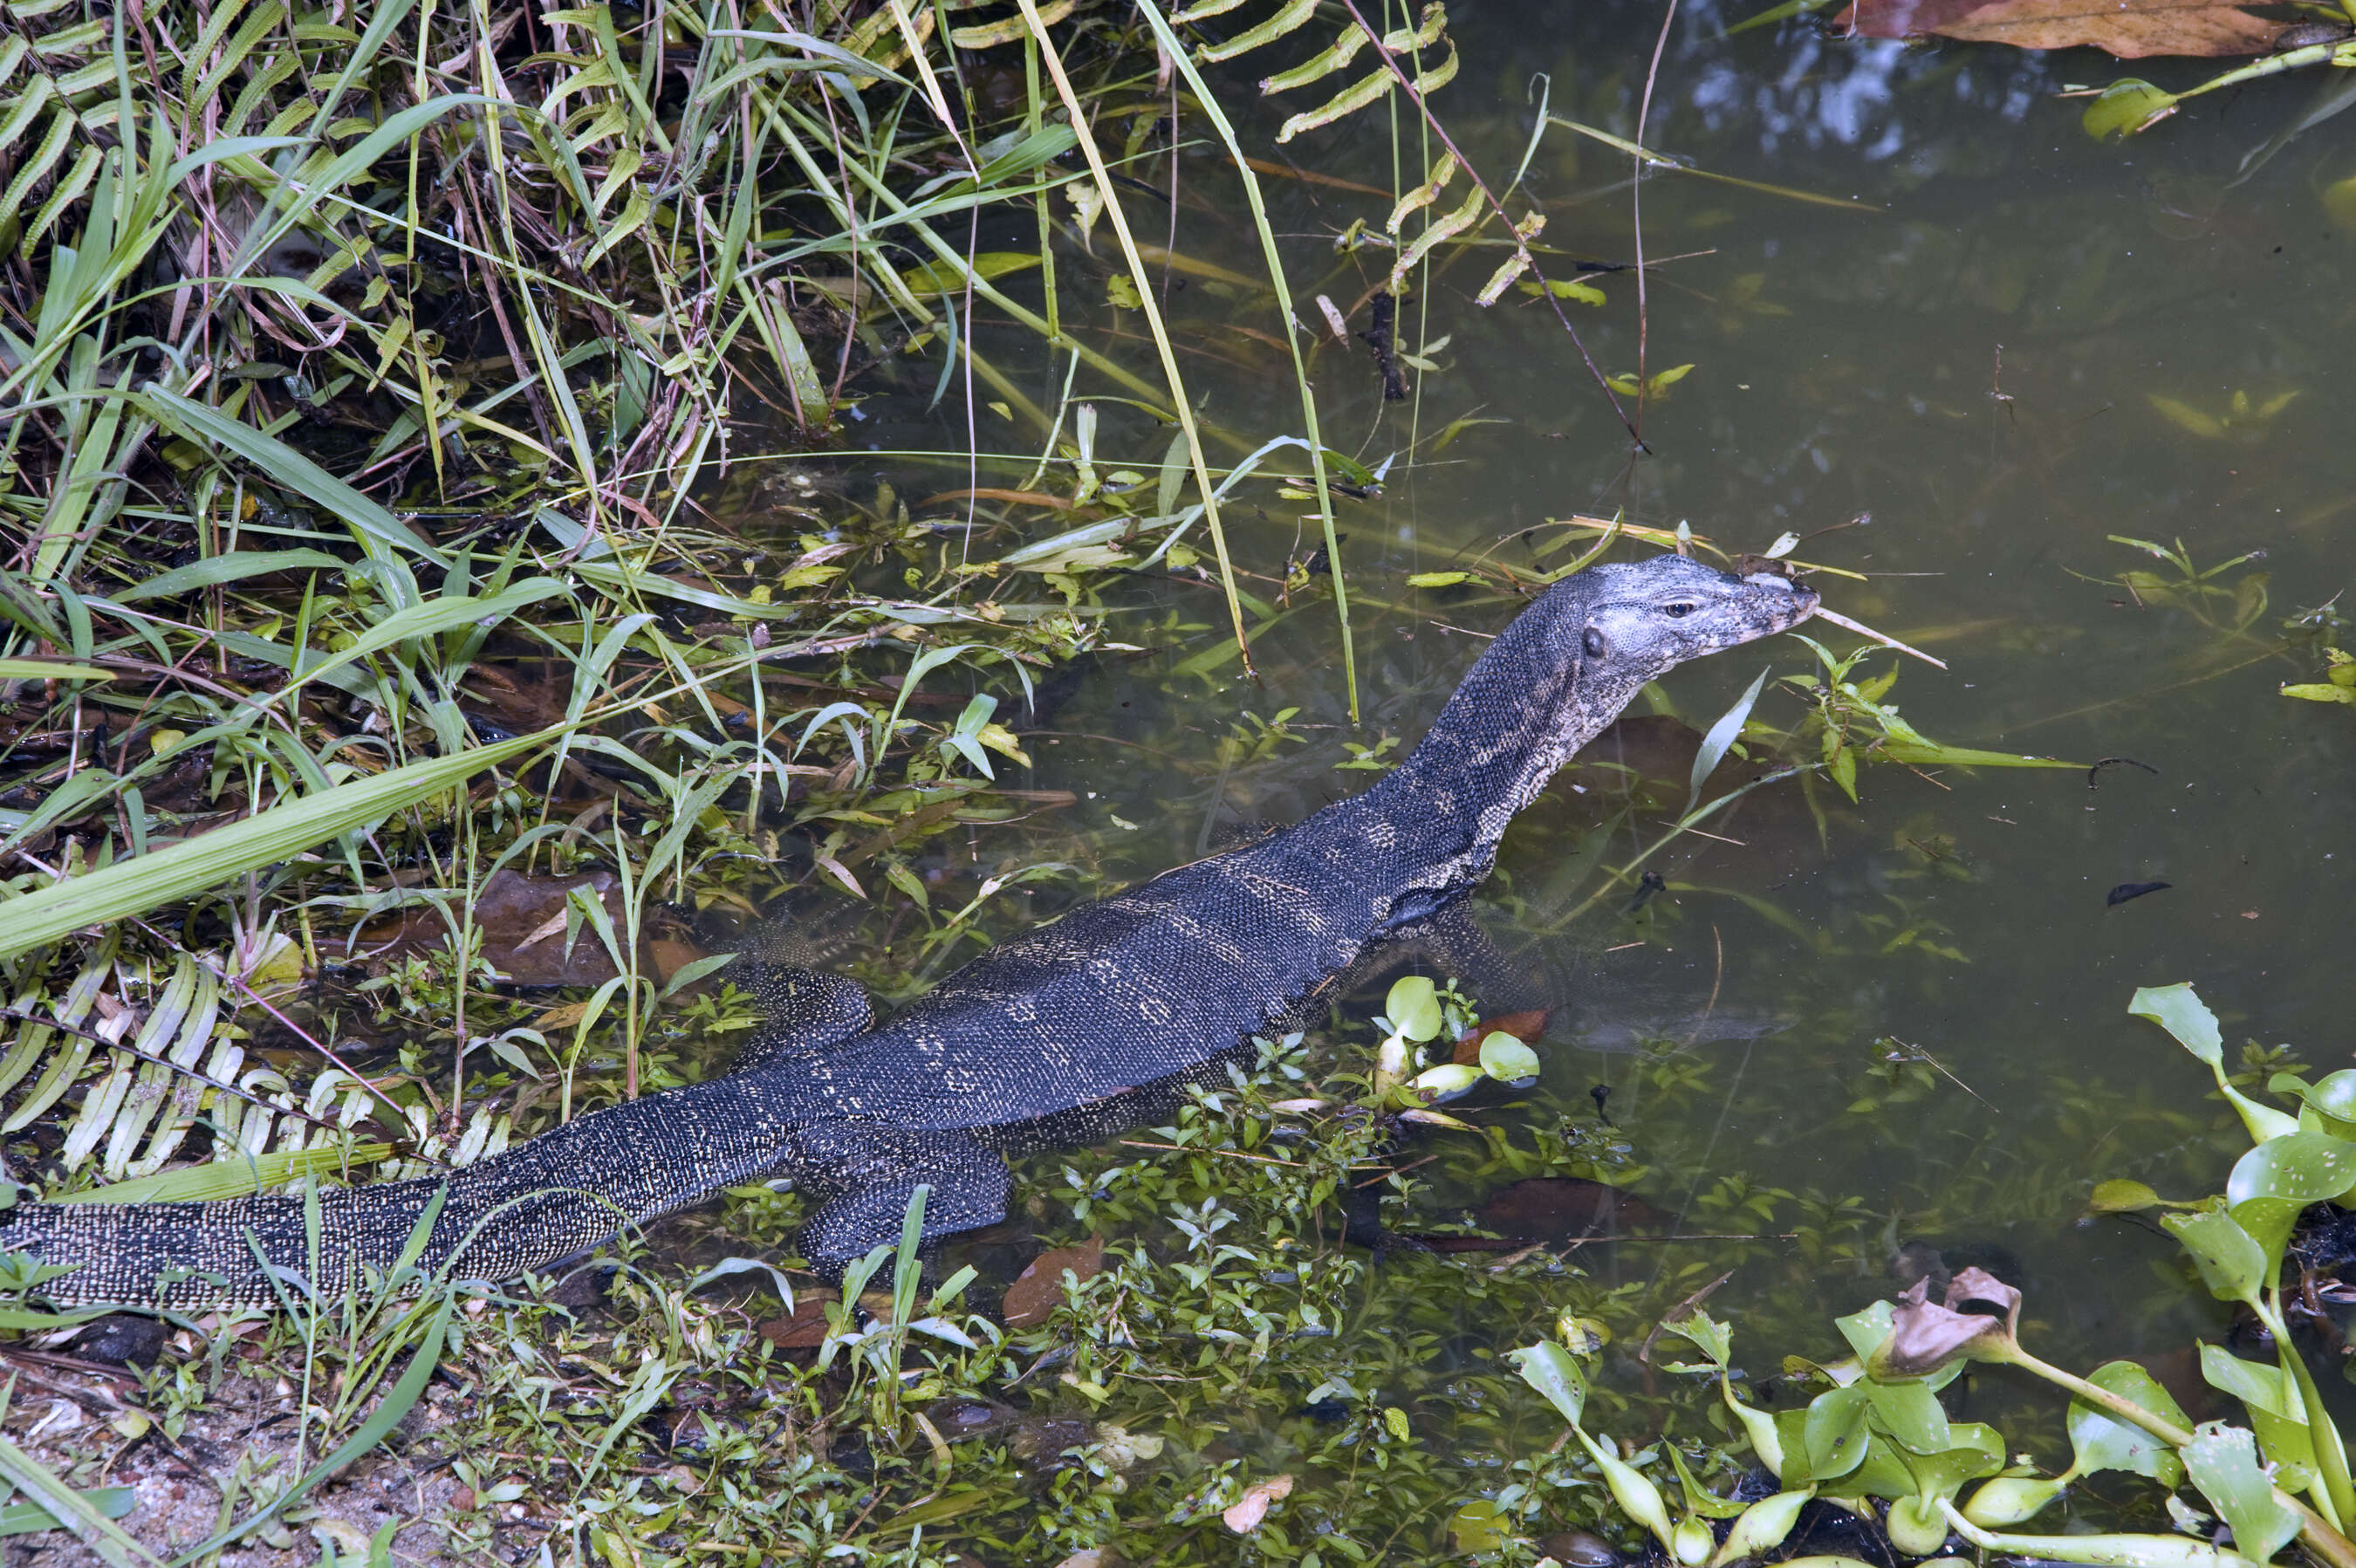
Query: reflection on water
<point x="2020" y="343"/>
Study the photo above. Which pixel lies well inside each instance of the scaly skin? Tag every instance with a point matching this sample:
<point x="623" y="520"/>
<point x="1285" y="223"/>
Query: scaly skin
<point x="1066" y="1033"/>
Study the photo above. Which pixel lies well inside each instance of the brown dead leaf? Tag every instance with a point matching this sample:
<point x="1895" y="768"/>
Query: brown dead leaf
<point x="805" y="1326"/>
<point x="2130" y="29"/>
<point x="1245" y="1516"/>
<point x="1039" y="1289"/>
<point x="522" y="919"/>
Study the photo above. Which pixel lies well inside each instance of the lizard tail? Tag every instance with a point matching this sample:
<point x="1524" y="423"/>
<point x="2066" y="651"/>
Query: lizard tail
<point x="528" y="1209"/>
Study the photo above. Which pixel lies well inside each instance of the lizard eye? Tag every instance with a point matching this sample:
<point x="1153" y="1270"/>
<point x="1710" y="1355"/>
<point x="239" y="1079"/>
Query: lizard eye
<point x="1679" y="609"/>
<point x="1593" y="642"/>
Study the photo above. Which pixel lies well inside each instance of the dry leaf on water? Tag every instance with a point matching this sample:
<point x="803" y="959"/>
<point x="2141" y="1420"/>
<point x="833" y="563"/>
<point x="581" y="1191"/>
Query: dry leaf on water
<point x="1245" y="1516"/>
<point x="1924" y="1336"/>
<point x="1039" y="1289"/>
<point x="806" y="1327"/>
<point x="1527" y="1026"/>
<point x="2130" y="29"/>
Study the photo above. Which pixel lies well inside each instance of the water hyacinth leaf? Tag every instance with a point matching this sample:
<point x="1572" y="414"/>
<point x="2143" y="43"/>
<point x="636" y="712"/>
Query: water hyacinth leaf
<point x="1715" y="1338"/>
<point x="1911" y="1412"/>
<point x="1413" y="1008"/>
<point x="1447" y="1079"/>
<point x="1925" y="1335"/>
<point x="2182" y="1014"/>
<point x="2274" y="1405"/>
<point x="2178" y="1009"/>
<point x="2332" y="1096"/>
<point x="1507" y="1059"/>
<point x="1690" y="1541"/>
<point x="1554" y="1372"/>
<point x="1834" y="1432"/>
<point x="2231" y="1263"/>
<point x="2254" y="1384"/>
<point x="2305" y="1167"/>
<point x="2223" y="1462"/>
<point x="2100" y="1441"/>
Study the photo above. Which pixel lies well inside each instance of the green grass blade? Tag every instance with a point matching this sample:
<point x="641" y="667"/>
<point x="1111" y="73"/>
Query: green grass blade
<point x="288" y="468"/>
<point x="1146" y="297"/>
<point x="93" y="1528"/>
<point x="1176" y="53"/>
<point x="217" y="1179"/>
<point x="25" y="1519"/>
<point x="132" y="888"/>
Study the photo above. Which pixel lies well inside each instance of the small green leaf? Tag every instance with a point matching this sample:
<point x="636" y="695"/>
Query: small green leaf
<point x="1438" y="579"/>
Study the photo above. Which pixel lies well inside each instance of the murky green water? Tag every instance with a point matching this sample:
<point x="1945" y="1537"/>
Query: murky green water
<point x="1971" y="355"/>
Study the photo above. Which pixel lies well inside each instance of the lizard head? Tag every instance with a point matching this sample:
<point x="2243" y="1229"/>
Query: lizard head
<point x="1644" y="620"/>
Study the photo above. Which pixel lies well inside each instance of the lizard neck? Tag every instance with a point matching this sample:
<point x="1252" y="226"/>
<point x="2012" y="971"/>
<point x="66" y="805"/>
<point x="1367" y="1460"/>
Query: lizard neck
<point x="1527" y="706"/>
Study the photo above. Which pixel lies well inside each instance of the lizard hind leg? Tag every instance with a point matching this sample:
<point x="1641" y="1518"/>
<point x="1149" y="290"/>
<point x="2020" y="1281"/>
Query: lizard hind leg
<point x="872" y="1172"/>
<point x="804" y="1014"/>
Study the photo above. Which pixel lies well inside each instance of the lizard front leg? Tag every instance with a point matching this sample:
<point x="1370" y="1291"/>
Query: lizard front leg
<point x="871" y="1171"/>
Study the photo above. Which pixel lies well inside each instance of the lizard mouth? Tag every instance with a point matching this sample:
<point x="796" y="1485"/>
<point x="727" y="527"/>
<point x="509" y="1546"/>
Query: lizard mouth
<point x="1804" y="600"/>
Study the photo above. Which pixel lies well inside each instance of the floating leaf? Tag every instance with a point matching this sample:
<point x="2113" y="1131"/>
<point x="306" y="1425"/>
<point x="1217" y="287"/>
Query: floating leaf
<point x="2120" y="1196"/>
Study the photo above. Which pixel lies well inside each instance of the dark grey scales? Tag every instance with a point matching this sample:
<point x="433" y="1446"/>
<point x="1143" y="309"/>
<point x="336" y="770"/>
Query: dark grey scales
<point x="1068" y="1033"/>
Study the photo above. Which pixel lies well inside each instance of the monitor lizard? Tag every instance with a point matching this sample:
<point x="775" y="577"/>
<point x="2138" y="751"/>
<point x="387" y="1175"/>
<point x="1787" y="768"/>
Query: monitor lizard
<point x="1066" y="1033"/>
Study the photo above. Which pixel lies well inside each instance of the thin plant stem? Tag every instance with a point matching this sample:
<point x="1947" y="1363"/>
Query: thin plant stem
<point x="1152" y="311"/>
